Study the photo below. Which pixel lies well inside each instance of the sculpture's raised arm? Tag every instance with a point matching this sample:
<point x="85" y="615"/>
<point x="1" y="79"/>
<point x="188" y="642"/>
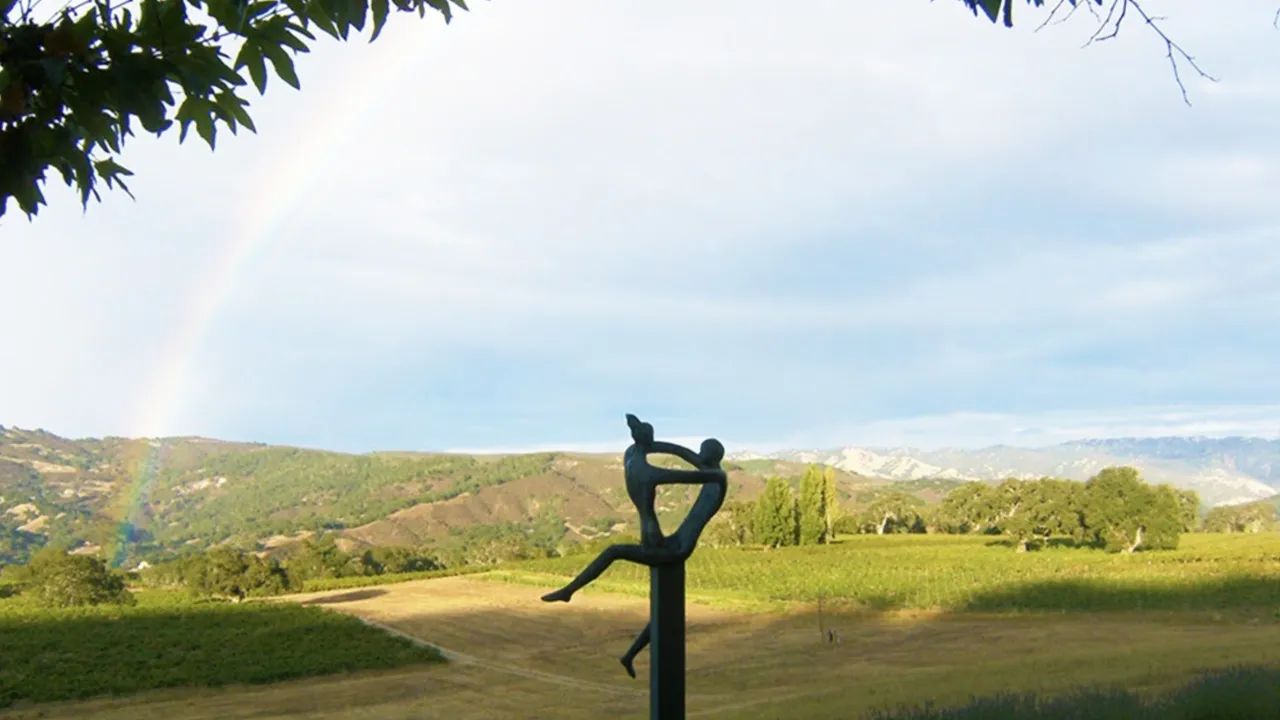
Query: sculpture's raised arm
<point x="706" y="463"/>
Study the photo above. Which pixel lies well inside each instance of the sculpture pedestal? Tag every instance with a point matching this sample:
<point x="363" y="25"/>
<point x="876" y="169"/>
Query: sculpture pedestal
<point x="666" y="616"/>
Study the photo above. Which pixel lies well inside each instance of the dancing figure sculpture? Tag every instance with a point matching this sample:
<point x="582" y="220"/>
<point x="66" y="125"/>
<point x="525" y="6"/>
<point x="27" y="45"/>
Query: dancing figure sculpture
<point x="665" y="555"/>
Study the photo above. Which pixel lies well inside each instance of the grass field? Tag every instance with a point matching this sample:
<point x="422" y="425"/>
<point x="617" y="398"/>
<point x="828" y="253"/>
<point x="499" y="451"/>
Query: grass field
<point x="169" y="641"/>
<point x="947" y="572"/>
<point x="923" y="619"/>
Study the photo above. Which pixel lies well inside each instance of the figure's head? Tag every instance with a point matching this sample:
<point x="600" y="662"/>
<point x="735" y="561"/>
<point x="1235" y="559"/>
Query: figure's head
<point x="712" y="452"/>
<point x="641" y="432"/>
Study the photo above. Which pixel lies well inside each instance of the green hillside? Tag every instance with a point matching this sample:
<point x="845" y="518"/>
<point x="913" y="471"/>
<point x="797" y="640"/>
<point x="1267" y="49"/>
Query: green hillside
<point x="151" y="498"/>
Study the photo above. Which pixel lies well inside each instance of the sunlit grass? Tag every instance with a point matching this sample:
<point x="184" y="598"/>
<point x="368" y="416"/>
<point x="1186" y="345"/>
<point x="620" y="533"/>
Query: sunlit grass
<point x="1206" y="572"/>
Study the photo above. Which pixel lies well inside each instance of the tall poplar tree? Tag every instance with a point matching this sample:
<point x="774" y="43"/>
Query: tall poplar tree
<point x="830" y="503"/>
<point x="813" y="520"/>
<point x="776" y="514"/>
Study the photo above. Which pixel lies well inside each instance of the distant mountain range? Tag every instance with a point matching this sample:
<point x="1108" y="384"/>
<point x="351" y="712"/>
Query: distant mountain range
<point x="1224" y="471"/>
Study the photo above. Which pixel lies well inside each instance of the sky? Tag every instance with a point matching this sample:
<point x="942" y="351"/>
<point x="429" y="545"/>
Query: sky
<point x="783" y="225"/>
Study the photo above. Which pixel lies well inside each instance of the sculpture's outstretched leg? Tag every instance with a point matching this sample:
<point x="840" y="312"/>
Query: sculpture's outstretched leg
<point x="641" y="641"/>
<point x="631" y="553"/>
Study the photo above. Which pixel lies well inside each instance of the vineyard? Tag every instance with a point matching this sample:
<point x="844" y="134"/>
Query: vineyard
<point x="1206" y="573"/>
<point x="167" y="640"/>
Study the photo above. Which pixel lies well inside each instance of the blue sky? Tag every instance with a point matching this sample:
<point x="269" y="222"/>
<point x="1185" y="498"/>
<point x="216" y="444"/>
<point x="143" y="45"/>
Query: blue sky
<point x="783" y="225"/>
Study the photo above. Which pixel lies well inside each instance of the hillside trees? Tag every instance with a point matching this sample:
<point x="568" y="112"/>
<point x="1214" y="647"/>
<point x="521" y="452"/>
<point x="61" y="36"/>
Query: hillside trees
<point x="17" y="545"/>
<point x="76" y="83"/>
<point x="321" y="558"/>
<point x="831" y="502"/>
<point x="775" y="521"/>
<point x="384" y="560"/>
<point x="812" y="507"/>
<point x="60" y="579"/>
<point x="1025" y="510"/>
<point x="780" y="517"/>
<point x="1250" y="518"/>
<point x="501" y="542"/>
<point x="225" y="572"/>
<point x="273" y="491"/>
<point x="1038" y="509"/>
<point x="1123" y="513"/>
<point x="970" y="508"/>
<point x="1188" y="509"/>
<point x="891" y="512"/>
<point x="733" y="525"/>
<point x="1064" y="514"/>
<point x="1115" y="509"/>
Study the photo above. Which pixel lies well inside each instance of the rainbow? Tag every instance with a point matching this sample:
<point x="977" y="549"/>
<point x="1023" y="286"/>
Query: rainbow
<point x="270" y="201"/>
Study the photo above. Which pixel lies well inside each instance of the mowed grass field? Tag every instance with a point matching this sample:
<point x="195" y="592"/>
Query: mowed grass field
<point x="922" y="618"/>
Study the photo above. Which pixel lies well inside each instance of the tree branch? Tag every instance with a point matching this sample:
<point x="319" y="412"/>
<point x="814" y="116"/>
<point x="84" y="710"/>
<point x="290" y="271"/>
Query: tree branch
<point x="1074" y="6"/>
<point x="1110" y="27"/>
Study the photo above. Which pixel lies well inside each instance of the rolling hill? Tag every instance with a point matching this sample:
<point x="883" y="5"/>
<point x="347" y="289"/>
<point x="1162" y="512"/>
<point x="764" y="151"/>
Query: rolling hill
<point x="156" y="496"/>
<point x="162" y="495"/>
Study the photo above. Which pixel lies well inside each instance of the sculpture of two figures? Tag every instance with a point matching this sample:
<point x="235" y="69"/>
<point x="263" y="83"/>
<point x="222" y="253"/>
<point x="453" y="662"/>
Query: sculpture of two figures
<point x="642" y="481"/>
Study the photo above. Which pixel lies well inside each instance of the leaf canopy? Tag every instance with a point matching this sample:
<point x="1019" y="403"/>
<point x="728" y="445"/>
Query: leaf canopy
<point x="74" y="87"/>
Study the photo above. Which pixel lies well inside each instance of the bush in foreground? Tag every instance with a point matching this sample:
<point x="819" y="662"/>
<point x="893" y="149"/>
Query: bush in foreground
<point x="1241" y="693"/>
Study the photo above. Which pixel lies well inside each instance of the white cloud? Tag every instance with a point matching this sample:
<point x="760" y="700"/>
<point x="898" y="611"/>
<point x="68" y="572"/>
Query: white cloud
<point x="625" y="196"/>
<point x="971" y="430"/>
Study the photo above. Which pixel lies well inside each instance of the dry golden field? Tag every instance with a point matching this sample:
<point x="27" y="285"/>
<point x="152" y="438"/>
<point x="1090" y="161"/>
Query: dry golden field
<point x="516" y="657"/>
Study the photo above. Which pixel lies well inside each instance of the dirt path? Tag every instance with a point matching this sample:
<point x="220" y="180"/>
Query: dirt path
<point x="464" y="659"/>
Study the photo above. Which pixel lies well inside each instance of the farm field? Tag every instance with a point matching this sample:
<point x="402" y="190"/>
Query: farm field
<point x="167" y="640"/>
<point x="1208" y="572"/>
<point x="754" y="653"/>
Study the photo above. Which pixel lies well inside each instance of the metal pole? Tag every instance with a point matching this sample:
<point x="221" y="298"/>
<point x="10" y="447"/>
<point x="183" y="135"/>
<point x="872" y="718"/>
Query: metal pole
<point x="666" y="615"/>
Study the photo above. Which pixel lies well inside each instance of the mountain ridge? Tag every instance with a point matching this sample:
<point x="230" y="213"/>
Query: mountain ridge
<point x="1226" y="470"/>
<point x="162" y="495"/>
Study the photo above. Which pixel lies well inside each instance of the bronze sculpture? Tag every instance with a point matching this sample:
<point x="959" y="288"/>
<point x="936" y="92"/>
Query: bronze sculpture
<point x="664" y="554"/>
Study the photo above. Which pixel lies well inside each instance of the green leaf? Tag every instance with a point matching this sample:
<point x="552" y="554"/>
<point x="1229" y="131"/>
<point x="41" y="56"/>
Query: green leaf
<point x="283" y="64"/>
<point x="358" y="10"/>
<point x="6" y="6"/>
<point x="443" y="7"/>
<point x="252" y="53"/>
<point x="317" y="14"/>
<point x="298" y="8"/>
<point x="185" y="116"/>
<point x="295" y="28"/>
<point x="207" y="129"/>
<point x="337" y="10"/>
<point x="235" y="105"/>
<point x="281" y="31"/>
<point x="29" y="198"/>
<point x="110" y="171"/>
<point x="991" y="8"/>
<point x="381" y="9"/>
